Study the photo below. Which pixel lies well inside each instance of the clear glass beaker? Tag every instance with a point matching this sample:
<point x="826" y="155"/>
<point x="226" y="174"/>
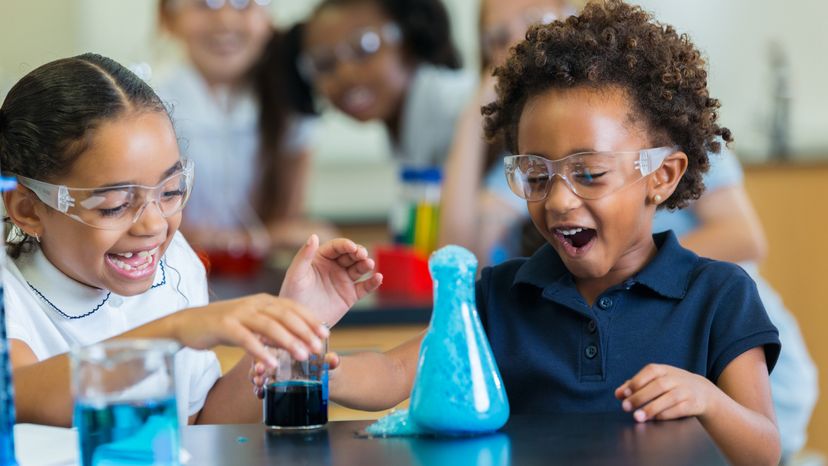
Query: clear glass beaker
<point x="125" y="405"/>
<point x="296" y="392"/>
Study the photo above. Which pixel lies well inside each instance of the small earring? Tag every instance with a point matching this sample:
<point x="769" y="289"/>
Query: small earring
<point x="36" y="237"/>
<point x="657" y="198"/>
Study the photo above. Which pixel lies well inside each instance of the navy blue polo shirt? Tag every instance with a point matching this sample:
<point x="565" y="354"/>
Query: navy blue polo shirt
<point x="558" y="354"/>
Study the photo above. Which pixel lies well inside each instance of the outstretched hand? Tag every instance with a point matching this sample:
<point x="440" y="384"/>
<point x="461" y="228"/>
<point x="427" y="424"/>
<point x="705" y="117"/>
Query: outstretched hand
<point x="330" y="278"/>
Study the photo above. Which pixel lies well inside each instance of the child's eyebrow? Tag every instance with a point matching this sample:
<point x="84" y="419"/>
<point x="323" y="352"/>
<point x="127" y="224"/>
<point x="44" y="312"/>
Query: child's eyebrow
<point x="112" y="186"/>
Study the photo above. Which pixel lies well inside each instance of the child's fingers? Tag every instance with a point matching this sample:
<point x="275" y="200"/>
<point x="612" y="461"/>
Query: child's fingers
<point x="335" y="248"/>
<point x="258" y="381"/>
<point x="369" y="285"/>
<point x="359" y="269"/>
<point x="646" y="375"/>
<point x="245" y="339"/>
<point x="332" y="359"/>
<point x="648" y="393"/>
<point x="347" y="260"/>
<point x="623" y="391"/>
<point x="278" y="307"/>
<point x="666" y="406"/>
<point x="304" y="256"/>
<point x="277" y="335"/>
<point x="302" y="327"/>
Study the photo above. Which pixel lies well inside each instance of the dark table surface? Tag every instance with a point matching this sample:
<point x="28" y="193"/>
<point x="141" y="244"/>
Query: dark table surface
<point x="583" y="439"/>
<point x="374" y="309"/>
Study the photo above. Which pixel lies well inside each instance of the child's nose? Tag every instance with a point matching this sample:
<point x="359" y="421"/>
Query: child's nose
<point x="150" y="220"/>
<point x="561" y="198"/>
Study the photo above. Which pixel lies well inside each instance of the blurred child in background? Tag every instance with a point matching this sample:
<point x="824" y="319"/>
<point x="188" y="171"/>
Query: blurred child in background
<point x="252" y="165"/>
<point x="391" y="61"/>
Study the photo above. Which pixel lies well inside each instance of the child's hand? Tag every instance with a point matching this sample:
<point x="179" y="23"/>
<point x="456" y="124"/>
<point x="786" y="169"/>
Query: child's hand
<point x="326" y="279"/>
<point x="257" y="374"/>
<point x="251" y="323"/>
<point x="665" y="392"/>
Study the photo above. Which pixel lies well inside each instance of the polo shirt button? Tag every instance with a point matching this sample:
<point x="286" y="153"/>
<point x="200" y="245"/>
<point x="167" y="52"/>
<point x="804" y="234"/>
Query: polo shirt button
<point x="605" y="303"/>
<point x="590" y="351"/>
<point x="592" y="326"/>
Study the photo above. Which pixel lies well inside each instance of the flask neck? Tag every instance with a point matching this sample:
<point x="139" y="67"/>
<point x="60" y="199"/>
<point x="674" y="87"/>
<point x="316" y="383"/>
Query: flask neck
<point x="453" y="289"/>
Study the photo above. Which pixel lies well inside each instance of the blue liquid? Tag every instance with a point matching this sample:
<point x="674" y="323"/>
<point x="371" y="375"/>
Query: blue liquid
<point x="295" y="404"/>
<point x="458" y="389"/>
<point x="395" y="424"/>
<point x="133" y="433"/>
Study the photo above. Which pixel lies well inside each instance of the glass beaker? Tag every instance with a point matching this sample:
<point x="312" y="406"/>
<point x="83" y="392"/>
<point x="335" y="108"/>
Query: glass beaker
<point x="296" y="392"/>
<point x="125" y="406"/>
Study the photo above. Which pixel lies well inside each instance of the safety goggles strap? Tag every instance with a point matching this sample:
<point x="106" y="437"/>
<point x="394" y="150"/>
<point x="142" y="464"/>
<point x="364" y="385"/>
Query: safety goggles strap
<point x="55" y="196"/>
<point x="650" y="159"/>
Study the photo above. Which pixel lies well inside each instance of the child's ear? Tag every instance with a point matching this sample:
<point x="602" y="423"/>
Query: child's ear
<point x="22" y="209"/>
<point x="665" y="180"/>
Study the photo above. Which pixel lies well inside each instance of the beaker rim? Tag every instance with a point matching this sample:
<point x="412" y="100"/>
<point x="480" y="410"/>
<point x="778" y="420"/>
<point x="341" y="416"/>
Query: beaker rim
<point x="124" y="349"/>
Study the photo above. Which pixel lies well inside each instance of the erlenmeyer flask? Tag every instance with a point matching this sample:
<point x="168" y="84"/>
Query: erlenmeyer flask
<point x="458" y="388"/>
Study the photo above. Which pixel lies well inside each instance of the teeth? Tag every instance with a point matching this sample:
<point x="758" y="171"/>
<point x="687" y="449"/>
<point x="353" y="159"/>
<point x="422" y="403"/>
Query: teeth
<point x="147" y="255"/>
<point x="570" y="232"/>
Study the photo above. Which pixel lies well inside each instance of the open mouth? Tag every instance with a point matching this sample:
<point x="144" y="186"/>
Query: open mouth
<point x="134" y="264"/>
<point x="357" y="101"/>
<point x="576" y="240"/>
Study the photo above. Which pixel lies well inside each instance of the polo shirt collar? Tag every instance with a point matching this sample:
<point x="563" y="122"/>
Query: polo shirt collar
<point x="63" y="294"/>
<point x="668" y="274"/>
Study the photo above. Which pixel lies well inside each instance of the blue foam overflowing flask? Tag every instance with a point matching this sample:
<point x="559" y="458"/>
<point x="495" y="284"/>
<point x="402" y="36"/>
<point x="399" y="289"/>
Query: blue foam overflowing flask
<point x="7" y="457"/>
<point x="458" y="389"/>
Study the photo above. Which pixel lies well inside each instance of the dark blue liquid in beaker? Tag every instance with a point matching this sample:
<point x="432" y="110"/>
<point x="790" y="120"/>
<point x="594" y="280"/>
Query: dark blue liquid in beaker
<point x="295" y="404"/>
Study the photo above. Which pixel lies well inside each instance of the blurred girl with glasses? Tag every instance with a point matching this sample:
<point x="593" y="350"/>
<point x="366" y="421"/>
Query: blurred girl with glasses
<point x="96" y="252"/>
<point x="391" y="61"/>
<point x="252" y="157"/>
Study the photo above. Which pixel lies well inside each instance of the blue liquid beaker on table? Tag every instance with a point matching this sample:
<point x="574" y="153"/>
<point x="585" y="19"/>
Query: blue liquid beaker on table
<point x="296" y="392"/>
<point x="125" y="405"/>
<point x="458" y="388"/>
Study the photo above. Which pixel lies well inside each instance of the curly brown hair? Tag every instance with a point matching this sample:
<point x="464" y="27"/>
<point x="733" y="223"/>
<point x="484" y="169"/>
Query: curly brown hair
<point x="612" y="43"/>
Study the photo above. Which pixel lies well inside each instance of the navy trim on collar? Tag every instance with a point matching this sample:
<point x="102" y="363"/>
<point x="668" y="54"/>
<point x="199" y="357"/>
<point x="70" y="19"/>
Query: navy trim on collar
<point x="668" y="274"/>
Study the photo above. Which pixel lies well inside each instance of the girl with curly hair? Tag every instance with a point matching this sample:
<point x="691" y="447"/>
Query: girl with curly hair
<point x="611" y="119"/>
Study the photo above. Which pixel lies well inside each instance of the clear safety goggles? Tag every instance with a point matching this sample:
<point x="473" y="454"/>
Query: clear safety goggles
<point x="215" y="5"/>
<point x="323" y="61"/>
<point x="590" y="175"/>
<point x="116" y="207"/>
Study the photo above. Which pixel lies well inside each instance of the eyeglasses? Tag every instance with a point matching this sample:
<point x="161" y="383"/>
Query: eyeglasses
<point x="501" y="35"/>
<point x="216" y="5"/>
<point x="590" y="175"/>
<point x="116" y="207"/>
<point x="323" y="61"/>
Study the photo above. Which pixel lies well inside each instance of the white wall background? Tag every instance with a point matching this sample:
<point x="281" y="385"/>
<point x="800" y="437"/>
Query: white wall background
<point x="733" y="34"/>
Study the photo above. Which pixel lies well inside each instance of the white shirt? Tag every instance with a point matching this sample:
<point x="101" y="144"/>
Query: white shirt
<point x="44" y="309"/>
<point x="220" y="132"/>
<point x="434" y="102"/>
